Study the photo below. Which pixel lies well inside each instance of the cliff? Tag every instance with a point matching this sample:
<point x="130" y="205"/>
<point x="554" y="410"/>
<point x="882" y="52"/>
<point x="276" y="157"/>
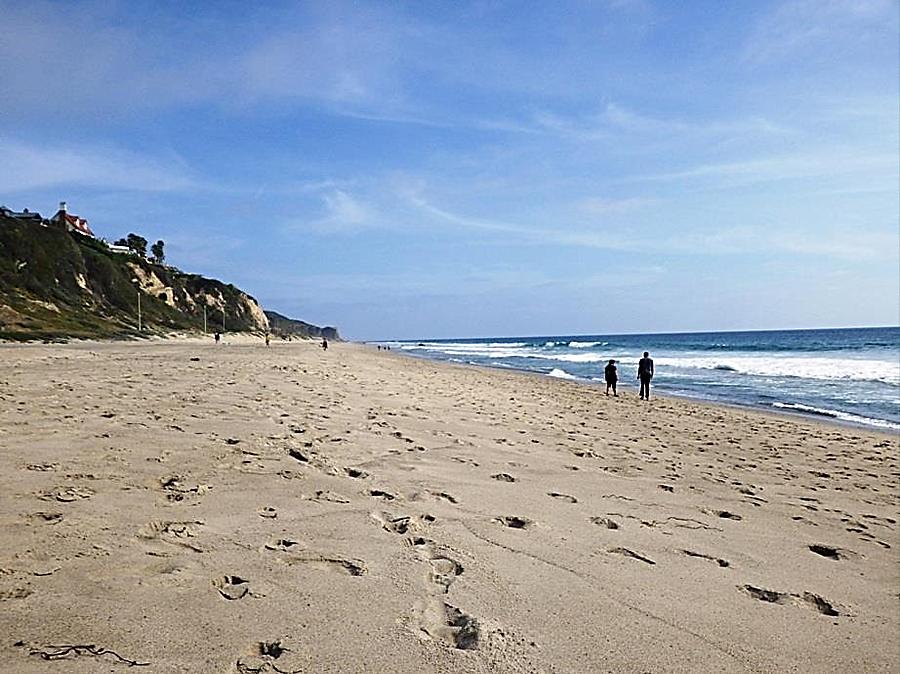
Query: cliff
<point x="55" y="284"/>
<point x="287" y="327"/>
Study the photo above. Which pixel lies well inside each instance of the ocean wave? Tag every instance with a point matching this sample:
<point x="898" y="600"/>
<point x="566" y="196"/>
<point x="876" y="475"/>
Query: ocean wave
<point x="825" y="369"/>
<point x="586" y="345"/>
<point x="412" y="346"/>
<point x="577" y="357"/>
<point x="561" y="374"/>
<point x="835" y="414"/>
<point x="469" y="349"/>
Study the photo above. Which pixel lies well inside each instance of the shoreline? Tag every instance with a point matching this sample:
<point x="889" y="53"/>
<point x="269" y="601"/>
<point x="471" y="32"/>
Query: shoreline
<point x="256" y="339"/>
<point x="204" y="508"/>
<point x="778" y="412"/>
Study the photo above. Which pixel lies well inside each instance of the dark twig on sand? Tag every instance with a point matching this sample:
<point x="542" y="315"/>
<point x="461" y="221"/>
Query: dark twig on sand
<point x="60" y="652"/>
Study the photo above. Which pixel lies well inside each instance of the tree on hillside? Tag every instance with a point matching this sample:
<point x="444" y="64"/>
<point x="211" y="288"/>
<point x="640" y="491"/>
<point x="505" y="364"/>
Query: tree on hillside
<point x="159" y="254"/>
<point x="137" y="243"/>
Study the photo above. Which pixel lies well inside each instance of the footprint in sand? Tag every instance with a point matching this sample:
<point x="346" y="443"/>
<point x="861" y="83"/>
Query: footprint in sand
<point x="351" y="567"/>
<point x="441" y="620"/>
<point x="721" y="562"/>
<point x="605" y="522"/>
<point x="514" y="522"/>
<point x="503" y="477"/>
<point x="281" y="544"/>
<point x="42" y="467"/>
<point x="262" y="656"/>
<point x="403" y="524"/>
<point x="66" y="494"/>
<point x="232" y="587"/>
<point x="807" y="599"/>
<point x="828" y="551"/>
<point x="723" y="514"/>
<point x="330" y="496"/>
<point x="631" y="554"/>
<point x="562" y="497"/>
<point x="444" y="496"/>
<point x="15" y="593"/>
<point x="384" y="495"/>
<point x="173" y="532"/>
<point x="267" y="512"/>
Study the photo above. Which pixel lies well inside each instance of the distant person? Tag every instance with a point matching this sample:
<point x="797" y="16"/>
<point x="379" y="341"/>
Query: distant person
<point x="611" y="374"/>
<point x="267" y="339"/>
<point x="324" y="344"/>
<point x="645" y="374"/>
<point x="217" y="336"/>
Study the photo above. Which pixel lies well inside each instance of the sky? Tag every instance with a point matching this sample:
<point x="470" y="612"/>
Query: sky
<point x="408" y="170"/>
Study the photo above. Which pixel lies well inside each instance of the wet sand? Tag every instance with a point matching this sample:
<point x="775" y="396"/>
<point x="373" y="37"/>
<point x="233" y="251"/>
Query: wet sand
<point x="249" y="509"/>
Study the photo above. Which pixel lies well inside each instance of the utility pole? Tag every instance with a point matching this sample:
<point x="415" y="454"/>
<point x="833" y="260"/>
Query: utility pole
<point x="137" y="286"/>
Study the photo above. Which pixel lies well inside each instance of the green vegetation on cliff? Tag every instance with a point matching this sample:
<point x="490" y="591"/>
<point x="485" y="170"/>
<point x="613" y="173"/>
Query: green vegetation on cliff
<point x="55" y="285"/>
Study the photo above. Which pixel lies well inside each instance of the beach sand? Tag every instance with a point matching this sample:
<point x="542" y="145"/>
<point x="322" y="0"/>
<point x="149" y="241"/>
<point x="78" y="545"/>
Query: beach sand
<point x="249" y="509"/>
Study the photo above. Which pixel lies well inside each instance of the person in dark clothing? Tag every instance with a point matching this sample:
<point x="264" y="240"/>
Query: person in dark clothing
<point x="612" y="376"/>
<point x="645" y="374"/>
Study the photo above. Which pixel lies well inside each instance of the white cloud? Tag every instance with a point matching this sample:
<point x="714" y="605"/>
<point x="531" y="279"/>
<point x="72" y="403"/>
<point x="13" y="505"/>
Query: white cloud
<point x="342" y="213"/>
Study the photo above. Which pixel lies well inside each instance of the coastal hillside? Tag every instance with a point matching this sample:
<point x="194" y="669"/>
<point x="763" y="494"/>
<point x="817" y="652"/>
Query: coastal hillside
<point x="58" y="284"/>
<point x="289" y="327"/>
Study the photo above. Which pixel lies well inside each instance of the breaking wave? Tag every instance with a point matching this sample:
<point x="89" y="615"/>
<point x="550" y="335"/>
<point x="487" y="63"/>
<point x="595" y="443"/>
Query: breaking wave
<point x="835" y="414"/>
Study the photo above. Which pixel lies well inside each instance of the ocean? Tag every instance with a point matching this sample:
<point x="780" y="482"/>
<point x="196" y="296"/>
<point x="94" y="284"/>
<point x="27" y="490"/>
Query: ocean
<point x="848" y="375"/>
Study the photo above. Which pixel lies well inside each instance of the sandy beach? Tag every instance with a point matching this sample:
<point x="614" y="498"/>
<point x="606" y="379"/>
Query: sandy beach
<point x="196" y="508"/>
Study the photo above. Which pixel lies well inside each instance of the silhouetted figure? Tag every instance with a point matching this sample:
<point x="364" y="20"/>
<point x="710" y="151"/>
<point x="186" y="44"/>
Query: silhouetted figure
<point x="645" y="374"/>
<point x="267" y="339"/>
<point x="218" y="337"/>
<point x="611" y="374"/>
<point x="324" y="344"/>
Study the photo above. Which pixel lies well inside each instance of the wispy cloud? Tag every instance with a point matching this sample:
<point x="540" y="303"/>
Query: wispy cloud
<point x="608" y="206"/>
<point x="27" y="167"/>
<point x="816" y="28"/>
<point x="759" y="238"/>
<point x="775" y="168"/>
<point x="340" y="213"/>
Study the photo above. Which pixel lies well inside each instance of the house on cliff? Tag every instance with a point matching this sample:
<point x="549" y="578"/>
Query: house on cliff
<point x="69" y="222"/>
<point x="25" y="215"/>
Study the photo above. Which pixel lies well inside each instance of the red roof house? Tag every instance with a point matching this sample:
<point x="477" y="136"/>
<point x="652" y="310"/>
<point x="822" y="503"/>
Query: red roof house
<point x="71" y="223"/>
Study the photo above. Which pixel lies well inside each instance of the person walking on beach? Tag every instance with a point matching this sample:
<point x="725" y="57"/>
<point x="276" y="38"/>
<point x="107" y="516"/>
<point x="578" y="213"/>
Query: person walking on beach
<point x="267" y="339"/>
<point x="612" y="376"/>
<point x="217" y="336"/>
<point x="645" y="374"/>
<point x="324" y="344"/>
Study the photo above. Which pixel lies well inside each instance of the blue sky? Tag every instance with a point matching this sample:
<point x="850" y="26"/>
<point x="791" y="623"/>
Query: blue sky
<point x="447" y="169"/>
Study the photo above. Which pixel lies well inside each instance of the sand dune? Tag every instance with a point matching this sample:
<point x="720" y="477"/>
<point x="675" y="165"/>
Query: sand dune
<point x="238" y="508"/>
